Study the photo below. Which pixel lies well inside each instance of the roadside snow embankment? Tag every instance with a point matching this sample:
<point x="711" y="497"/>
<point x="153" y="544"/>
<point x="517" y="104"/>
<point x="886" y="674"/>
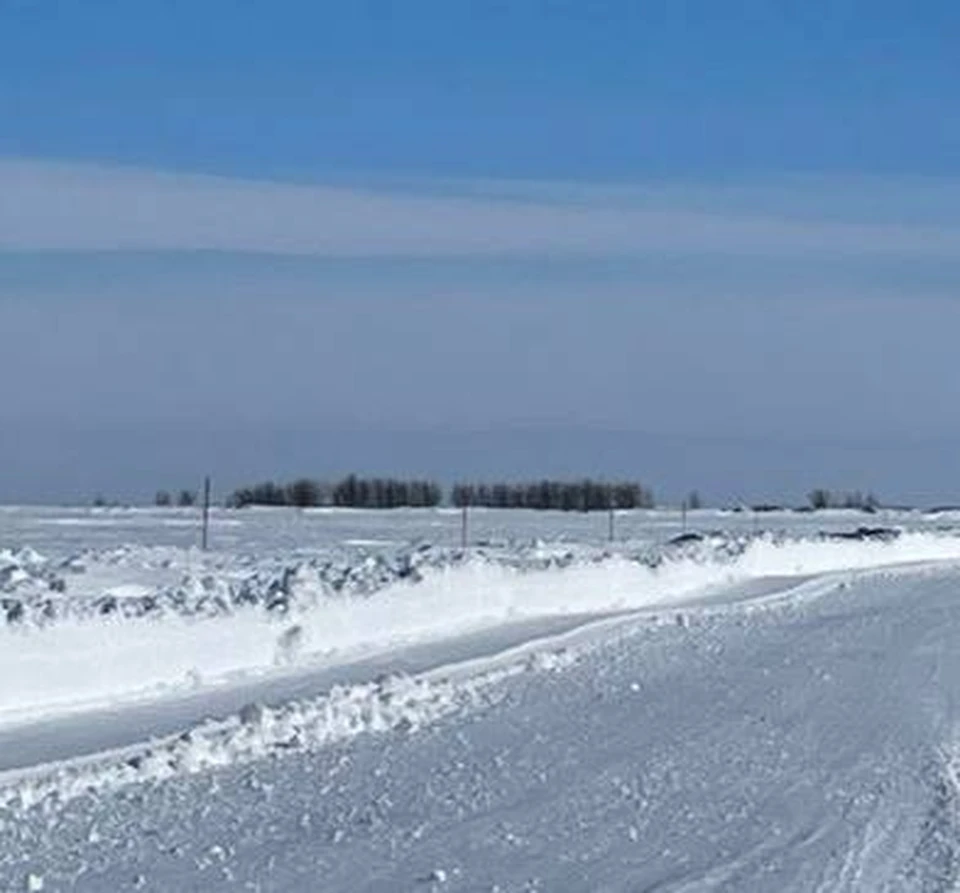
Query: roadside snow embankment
<point x="397" y="703"/>
<point x="86" y="661"/>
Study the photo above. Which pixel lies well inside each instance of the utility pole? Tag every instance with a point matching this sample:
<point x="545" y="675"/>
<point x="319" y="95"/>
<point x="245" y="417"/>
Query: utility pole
<point x="206" y="513"/>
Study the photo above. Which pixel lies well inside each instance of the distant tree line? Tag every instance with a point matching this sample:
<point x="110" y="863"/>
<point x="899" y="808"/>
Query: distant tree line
<point x="349" y="492"/>
<point x="385" y="493"/>
<point x="184" y="499"/>
<point x="821" y="498"/>
<point x="580" y="496"/>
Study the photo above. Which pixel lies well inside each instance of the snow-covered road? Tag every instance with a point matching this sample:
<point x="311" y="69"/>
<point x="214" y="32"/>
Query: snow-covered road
<point x="789" y="731"/>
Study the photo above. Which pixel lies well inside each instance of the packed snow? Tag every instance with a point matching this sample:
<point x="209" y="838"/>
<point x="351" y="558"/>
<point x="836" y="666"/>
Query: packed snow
<point x="340" y="700"/>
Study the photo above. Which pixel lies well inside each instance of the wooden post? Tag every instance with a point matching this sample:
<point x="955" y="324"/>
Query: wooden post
<point x="683" y="513"/>
<point x="463" y="527"/>
<point x="612" y="531"/>
<point x="205" y="539"/>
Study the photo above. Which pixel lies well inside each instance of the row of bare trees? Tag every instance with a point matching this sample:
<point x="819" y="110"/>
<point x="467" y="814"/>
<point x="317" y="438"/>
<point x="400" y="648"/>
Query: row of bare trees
<point x="184" y="499"/>
<point x="384" y="493"/>
<point x="349" y="492"/>
<point x="357" y="492"/>
<point x="821" y="498"/>
<point x="581" y="496"/>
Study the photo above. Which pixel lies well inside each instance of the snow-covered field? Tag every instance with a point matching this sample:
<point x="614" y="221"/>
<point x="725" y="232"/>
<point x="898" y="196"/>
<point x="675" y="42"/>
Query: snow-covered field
<point x="347" y="700"/>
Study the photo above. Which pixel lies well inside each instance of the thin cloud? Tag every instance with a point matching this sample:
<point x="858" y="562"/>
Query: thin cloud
<point x="72" y="207"/>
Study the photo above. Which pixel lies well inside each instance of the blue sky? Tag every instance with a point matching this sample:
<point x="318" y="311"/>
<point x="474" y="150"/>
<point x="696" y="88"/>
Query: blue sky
<point x="708" y="245"/>
<point x="602" y="90"/>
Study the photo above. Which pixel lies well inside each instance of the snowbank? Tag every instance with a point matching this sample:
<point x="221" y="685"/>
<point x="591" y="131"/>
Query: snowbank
<point x="81" y="662"/>
<point x="398" y="703"/>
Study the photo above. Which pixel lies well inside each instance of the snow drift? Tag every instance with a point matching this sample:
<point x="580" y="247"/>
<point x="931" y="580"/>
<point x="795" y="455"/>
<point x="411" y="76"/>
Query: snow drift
<point x="95" y="661"/>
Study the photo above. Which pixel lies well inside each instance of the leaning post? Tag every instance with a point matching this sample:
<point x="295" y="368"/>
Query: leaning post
<point x="206" y="513"/>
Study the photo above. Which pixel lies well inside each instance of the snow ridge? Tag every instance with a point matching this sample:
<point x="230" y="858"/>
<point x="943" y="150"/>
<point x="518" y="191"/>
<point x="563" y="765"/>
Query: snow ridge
<point x="76" y="663"/>
<point x="158" y="583"/>
<point x="399" y="704"/>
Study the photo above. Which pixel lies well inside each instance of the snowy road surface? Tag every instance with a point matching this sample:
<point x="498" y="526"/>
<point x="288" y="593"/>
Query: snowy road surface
<point x="791" y="728"/>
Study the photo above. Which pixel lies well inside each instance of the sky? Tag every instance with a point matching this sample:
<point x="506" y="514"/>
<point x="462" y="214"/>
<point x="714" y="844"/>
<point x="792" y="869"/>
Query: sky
<point x="711" y="246"/>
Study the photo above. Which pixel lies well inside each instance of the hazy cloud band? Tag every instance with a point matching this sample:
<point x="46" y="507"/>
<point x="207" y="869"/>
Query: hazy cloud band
<point x="60" y="206"/>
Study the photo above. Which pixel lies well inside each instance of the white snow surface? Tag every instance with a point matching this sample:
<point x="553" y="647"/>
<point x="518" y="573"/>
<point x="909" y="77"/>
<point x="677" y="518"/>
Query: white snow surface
<point x="765" y="709"/>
